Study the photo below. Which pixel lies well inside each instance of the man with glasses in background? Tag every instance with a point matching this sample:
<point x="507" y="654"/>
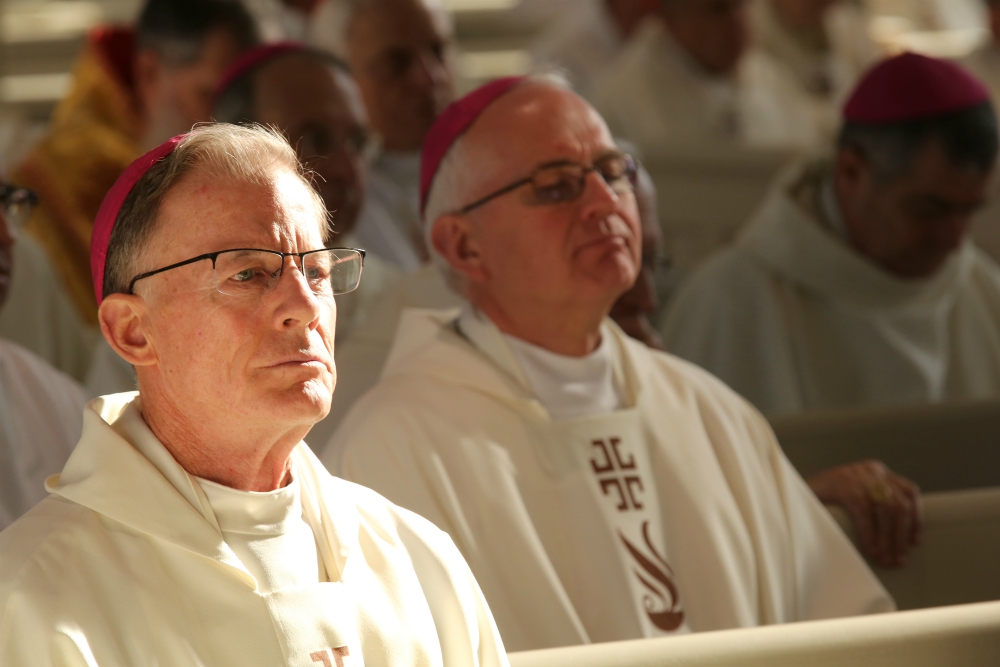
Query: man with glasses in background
<point x="191" y="525"/>
<point x="41" y="410"/>
<point x="599" y="489"/>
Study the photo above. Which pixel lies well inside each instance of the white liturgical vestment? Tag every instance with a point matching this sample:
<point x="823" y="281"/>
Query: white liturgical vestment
<point x="41" y="417"/>
<point x="546" y="511"/>
<point x="126" y="563"/>
<point x="793" y="318"/>
<point x="582" y="43"/>
<point x="655" y="95"/>
<point x="38" y="314"/>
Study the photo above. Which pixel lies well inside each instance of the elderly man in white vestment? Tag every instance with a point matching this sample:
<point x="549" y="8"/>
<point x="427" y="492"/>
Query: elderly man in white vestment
<point x="311" y="98"/>
<point x="41" y="410"/>
<point x="855" y="283"/>
<point x="191" y="525"/>
<point x="692" y="78"/>
<point x="399" y="53"/>
<point x="599" y="489"/>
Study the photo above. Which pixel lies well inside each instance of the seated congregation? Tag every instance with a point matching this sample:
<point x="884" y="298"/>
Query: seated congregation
<point x="380" y="373"/>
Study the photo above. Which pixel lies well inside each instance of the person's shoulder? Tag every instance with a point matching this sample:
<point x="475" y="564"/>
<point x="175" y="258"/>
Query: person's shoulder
<point x="30" y="369"/>
<point x="39" y="544"/>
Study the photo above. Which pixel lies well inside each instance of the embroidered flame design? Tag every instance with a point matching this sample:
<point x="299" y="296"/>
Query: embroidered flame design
<point x="662" y="603"/>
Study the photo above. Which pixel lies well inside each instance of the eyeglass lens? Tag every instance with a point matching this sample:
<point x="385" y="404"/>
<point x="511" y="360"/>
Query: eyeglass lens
<point x="562" y="183"/>
<point x="253" y="273"/>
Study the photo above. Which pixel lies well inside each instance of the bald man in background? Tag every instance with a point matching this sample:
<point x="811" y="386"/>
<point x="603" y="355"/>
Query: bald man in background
<point x="399" y="53"/>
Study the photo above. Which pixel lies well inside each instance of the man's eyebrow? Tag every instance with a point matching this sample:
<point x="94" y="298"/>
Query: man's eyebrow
<point x="613" y="152"/>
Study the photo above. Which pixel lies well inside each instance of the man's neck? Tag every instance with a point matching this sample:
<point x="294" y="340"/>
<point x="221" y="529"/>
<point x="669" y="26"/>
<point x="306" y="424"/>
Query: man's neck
<point x="251" y="462"/>
<point x="571" y="332"/>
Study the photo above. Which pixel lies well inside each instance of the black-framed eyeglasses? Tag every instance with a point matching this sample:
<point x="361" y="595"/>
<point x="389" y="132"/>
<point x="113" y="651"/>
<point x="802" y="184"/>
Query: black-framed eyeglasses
<point x="564" y="181"/>
<point x="17" y="203"/>
<point x="253" y="272"/>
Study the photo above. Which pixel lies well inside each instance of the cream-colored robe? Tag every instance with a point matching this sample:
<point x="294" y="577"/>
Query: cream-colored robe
<point x="793" y="318"/>
<point x="124" y="564"/>
<point x="361" y="356"/>
<point x="41" y="417"/>
<point x="825" y="71"/>
<point x="657" y="97"/>
<point x="453" y="433"/>
<point x="40" y="316"/>
<point x="582" y="44"/>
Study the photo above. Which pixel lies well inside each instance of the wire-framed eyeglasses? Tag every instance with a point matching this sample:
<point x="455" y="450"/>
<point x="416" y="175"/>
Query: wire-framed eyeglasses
<point x="252" y="272"/>
<point x="17" y="203"/>
<point x="564" y="181"/>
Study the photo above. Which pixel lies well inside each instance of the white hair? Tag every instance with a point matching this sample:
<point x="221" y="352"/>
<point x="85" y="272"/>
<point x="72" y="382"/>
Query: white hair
<point x="450" y="188"/>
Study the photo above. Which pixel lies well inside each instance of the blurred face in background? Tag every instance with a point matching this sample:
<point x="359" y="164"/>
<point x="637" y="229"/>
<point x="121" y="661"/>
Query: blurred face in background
<point x="909" y="224"/>
<point x="714" y="32"/>
<point x="398" y="51"/>
<point x="318" y="108"/>
<point x="173" y="97"/>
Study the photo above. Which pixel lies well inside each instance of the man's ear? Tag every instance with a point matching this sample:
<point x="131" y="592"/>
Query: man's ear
<point x="124" y="325"/>
<point x="452" y="239"/>
<point x="851" y="168"/>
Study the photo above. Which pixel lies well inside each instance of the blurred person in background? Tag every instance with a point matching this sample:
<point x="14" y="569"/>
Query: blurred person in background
<point x="582" y="43"/>
<point x="692" y="79"/>
<point x="399" y="53"/>
<point x="855" y="283"/>
<point x="600" y="490"/>
<point x="824" y="45"/>
<point x="41" y="409"/>
<point x="132" y="89"/>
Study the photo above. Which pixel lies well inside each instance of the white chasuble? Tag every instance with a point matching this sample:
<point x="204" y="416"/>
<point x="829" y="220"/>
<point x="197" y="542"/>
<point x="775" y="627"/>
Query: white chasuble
<point x="612" y="455"/>
<point x="674" y="511"/>
<point x="793" y="318"/>
<point x="148" y="573"/>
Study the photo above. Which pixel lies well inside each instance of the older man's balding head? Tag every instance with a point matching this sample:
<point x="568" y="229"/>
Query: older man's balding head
<point x="519" y="214"/>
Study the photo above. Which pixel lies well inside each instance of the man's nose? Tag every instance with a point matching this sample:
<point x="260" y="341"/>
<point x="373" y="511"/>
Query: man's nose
<point x="297" y="304"/>
<point x="598" y="199"/>
<point x="7" y="233"/>
<point x="427" y="70"/>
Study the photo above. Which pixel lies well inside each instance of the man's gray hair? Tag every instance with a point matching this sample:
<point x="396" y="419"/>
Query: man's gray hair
<point x="250" y="154"/>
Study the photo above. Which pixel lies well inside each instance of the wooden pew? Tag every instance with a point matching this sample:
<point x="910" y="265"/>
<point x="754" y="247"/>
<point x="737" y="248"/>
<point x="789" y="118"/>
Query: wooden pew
<point x="940" y="447"/>
<point x="957" y="559"/>
<point x="706" y="194"/>
<point x="966" y="635"/>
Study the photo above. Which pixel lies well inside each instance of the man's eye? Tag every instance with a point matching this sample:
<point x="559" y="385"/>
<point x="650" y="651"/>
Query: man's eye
<point x="244" y="276"/>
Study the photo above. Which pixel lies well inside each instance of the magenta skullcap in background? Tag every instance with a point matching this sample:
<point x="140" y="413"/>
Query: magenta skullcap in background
<point x="112" y="204"/>
<point x="251" y="58"/>
<point x="450" y="125"/>
<point x="911" y="87"/>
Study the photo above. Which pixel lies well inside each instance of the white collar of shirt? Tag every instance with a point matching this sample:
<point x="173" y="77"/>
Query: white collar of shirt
<point x="249" y="512"/>
<point x="830" y="209"/>
<point x="568" y="387"/>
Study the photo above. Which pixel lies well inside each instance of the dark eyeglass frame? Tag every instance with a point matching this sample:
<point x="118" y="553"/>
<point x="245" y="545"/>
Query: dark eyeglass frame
<point x="214" y="255"/>
<point x="12" y="195"/>
<point x="631" y="172"/>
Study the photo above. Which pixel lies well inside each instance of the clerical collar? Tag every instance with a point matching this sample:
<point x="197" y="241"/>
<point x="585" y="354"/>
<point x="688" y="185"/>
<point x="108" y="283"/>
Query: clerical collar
<point x="830" y="210"/>
<point x="568" y="387"/>
<point x="251" y="512"/>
